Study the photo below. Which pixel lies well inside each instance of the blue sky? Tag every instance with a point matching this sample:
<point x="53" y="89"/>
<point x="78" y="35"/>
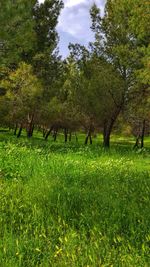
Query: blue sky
<point x="74" y="23"/>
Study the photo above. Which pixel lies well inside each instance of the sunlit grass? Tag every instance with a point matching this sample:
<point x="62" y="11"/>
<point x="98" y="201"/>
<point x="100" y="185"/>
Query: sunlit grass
<point x="71" y="205"/>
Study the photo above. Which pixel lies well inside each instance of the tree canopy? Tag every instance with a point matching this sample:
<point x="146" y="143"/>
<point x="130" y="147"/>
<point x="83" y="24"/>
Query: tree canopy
<point x="91" y="90"/>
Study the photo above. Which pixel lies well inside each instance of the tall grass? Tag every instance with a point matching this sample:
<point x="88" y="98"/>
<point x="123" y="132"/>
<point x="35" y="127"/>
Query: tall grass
<point x="70" y="205"/>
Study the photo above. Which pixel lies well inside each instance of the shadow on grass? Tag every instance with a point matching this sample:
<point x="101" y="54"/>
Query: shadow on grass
<point x="122" y="146"/>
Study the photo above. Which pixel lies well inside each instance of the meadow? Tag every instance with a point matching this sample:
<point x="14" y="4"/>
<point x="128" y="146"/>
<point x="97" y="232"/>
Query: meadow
<point x="73" y="205"/>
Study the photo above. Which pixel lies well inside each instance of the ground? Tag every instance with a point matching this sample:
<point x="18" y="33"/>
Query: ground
<point x="73" y="205"/>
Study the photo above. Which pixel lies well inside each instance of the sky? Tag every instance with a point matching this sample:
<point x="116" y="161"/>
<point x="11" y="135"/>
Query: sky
<point x="74" y="23"/>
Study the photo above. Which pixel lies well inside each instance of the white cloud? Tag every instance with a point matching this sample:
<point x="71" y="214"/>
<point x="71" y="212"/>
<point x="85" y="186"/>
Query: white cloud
<point x="70" y="3"/>
<point x="74" y="22"/>
<point x="75" y="17"/>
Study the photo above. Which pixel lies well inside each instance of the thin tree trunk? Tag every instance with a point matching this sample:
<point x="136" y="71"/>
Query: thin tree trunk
<point x="32" y="129"/>
<point x="66" y="134"/>
<point x="76" y="137"/>
<point x="44" y="133"/>
<point x="29" y="131"/>
<point x="30" y="126"/>
<point x="143" y="134"/>
<point x="88" y="137"/>
<point x="20" y="131"/>
<point x="55" y="134"/>
<point x="70" y="136"/>
<point x="106" y="141"/>
<point x="107" y="132"/>
<point x="15" y="130"/>
<point x="108" y="126"/>
<point x="136" y="145"/>
<point x="48" y="133"/>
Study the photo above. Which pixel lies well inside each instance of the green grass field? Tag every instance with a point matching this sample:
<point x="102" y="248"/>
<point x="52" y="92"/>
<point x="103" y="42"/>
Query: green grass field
<point x="73" y="205"/>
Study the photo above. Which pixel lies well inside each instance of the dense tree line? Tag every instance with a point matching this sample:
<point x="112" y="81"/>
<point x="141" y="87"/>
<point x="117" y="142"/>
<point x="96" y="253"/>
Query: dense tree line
<point x="94" y="90"/>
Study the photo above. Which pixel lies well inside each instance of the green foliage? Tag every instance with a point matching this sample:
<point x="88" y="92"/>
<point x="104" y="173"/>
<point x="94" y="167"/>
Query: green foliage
<point x="122" y="33"/>
<point x="122" y="38"/>
<point x="92" y="87"/>
<point x="144" y="73"/>
<point x="17" y="35"/>
<point x="45" y="59"/>
<point x="46" y="19"/>
<point x="103" y="90"/>
<point x="73" y="206"/>
<point x="23" y="92"/>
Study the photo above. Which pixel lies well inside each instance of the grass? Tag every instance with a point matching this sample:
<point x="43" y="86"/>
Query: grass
<point x="71" y="205"/>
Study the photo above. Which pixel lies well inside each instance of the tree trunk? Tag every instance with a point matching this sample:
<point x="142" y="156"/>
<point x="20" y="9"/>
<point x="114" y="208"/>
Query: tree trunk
<point x="76" y="137"/>
<point x="32" y="129"/>
<point x="55" y="135"/>
<point x="106" y="140"/>
<point x="29" y="131"/>
<point x="30" y="126"/>
<point x="48" y="133"/>
<point x="107" y="132"/>
<point x="142" y="135"/>
<point x="137" y="142"/>
<point x="70" y="136"/>
<point x="88" y="137"/>
<point x="44" y="133"/>
<point x="15" y="130"/>
<point x="66" y="134"/>
<point x="20" y="130"/>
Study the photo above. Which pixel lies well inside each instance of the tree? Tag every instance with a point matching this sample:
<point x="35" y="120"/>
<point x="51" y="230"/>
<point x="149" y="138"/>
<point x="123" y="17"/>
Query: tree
<point x="28" y="33"/>
<point x="30" y="36"/>
<point x="66" y="108"/>
<point x="23" y="94"/>
<point x="119" y="42"/>
<point x="99" y="91"/>
<point x="46" y="62"/>
<point x="17" y="36"/>
<point x="137" y="113"/>
<point x="103" y="91"/>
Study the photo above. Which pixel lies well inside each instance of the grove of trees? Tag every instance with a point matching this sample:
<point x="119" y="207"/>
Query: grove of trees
<point x="94" y="89"/>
